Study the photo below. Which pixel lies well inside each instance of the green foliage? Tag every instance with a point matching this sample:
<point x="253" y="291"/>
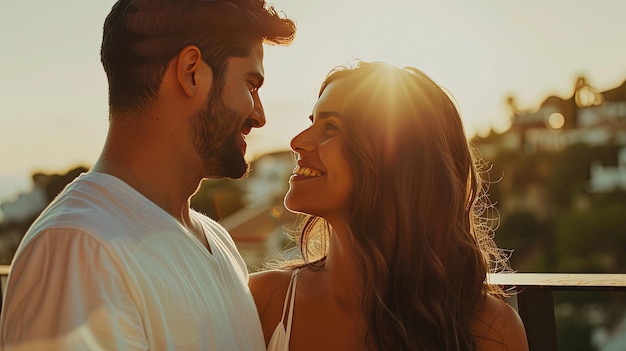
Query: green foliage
<point x="594" y="240"/>
<point x="218" y="198"/>
<point x="521" y="231"/>
<point x="573" y="335"/>
<point x="578" y="313"/>
<point x="571" y="170"/>
<point x="548" y="215"/>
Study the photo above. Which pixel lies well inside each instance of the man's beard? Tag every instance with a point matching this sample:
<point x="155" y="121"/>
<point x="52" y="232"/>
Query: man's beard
<point x="215" y="130"/>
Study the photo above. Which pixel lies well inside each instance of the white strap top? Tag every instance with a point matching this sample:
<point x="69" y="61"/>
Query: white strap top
<point x="280" y="338"/>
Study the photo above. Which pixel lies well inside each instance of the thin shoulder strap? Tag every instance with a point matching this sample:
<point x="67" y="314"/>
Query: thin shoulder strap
<point x="287" y="295"/>
<point x="294" y="280"/>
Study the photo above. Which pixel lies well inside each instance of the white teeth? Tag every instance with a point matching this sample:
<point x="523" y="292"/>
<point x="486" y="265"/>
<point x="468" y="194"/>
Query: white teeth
<point x="306" y="171"/>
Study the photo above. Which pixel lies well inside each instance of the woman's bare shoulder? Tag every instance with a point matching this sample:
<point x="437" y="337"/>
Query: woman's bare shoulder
<point x="498" y="327"/>
<point x="268" y="285"/>
<point x="269" y="279"/>
<point x="268" y="290"/>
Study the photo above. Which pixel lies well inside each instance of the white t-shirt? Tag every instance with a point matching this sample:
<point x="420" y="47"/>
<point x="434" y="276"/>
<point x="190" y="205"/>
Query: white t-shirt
<point x="104" y="268"/>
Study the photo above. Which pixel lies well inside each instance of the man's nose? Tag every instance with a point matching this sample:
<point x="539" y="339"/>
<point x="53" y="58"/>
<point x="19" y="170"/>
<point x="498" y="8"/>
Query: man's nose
<point x="258" y="113"/>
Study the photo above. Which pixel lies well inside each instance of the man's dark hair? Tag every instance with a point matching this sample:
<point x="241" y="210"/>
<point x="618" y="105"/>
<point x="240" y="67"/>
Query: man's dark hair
<point x="142" y="36"/>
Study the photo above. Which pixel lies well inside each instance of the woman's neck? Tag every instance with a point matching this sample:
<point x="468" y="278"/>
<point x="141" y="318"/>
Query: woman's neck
<point x="339" y="281"/>
<point x="330" y="299"/>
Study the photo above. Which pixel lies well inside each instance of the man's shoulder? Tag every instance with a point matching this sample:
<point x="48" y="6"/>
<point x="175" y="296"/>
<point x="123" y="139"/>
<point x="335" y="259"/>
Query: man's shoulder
<point x="71" y="213"/>
<point x="87" y="207"/>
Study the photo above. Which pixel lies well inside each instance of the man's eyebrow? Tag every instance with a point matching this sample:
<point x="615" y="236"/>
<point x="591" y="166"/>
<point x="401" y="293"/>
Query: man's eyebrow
<point x="326" y="114"/>
<point x="256" y="77"/>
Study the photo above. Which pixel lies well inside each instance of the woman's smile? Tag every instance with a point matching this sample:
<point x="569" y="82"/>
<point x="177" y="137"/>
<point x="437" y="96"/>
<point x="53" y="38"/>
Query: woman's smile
<point x="307" y="172"/>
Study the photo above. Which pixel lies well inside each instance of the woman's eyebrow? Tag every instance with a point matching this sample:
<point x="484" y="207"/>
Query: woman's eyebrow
<point x="325" y="114"/>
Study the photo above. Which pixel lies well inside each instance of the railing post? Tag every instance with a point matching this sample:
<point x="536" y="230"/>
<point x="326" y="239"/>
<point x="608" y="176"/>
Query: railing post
<point x="4" y="273"/>
<point x="536" y="308"/>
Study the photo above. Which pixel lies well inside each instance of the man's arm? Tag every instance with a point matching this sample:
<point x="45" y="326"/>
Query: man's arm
<point x="65" y="292"/>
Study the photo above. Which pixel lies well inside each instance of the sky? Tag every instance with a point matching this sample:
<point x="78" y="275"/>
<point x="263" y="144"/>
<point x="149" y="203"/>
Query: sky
<point x="53" y="91"/>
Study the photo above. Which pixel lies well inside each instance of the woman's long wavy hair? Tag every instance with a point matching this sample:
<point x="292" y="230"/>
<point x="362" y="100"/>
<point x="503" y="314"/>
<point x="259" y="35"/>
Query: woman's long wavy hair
<point x="419" y="230"/>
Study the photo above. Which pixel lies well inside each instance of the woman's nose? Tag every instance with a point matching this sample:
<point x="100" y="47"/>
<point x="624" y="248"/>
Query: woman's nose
<point x="302" y="142"/>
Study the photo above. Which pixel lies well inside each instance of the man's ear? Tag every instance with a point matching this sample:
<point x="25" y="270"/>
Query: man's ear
<point x="191" y="72"/>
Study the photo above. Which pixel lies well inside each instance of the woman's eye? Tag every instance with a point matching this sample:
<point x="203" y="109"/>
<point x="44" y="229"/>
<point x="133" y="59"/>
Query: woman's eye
<point x="330" y="127"/>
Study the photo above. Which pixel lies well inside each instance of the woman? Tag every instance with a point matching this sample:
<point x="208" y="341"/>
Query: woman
<point x="394" y="249"/>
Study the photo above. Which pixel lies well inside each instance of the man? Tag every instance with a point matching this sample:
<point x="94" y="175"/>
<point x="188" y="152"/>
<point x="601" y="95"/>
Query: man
<point x="119" y="261"/>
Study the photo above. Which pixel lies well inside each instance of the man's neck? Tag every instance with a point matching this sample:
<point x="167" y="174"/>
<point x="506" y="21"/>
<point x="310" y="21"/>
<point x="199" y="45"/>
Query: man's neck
<point x="159" y="182"/>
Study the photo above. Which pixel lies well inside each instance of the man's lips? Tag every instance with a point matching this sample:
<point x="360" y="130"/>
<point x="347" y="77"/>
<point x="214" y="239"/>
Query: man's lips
<point x="241" y="141"/>
<point x="245" y="130"/>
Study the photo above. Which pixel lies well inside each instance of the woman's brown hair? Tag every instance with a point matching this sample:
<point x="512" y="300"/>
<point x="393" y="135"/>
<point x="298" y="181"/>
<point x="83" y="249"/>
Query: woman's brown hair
<point x="416" y="212"/>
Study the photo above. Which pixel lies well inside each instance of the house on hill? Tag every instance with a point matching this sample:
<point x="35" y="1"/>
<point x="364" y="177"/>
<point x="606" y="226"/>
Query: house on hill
<point x="586" y="117"/>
